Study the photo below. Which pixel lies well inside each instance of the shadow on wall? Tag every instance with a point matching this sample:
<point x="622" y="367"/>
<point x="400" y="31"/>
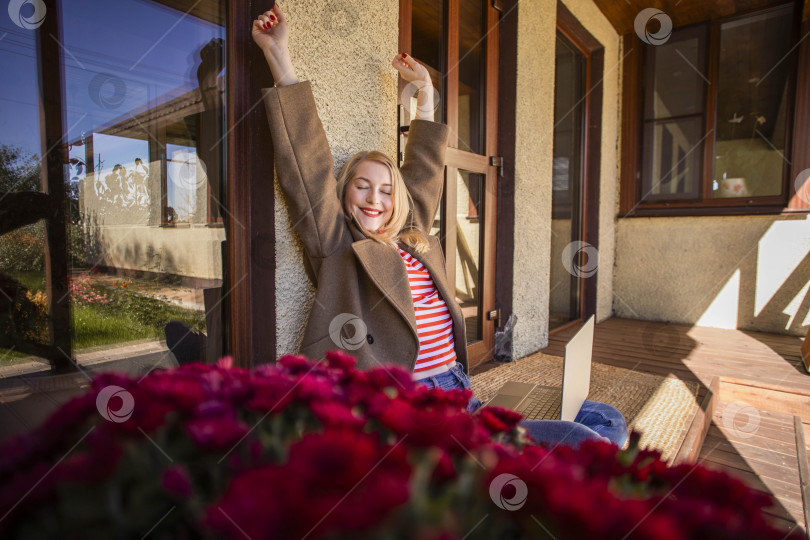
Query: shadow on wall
<point x="776" y="310"/>
<point x="741" y="272"/>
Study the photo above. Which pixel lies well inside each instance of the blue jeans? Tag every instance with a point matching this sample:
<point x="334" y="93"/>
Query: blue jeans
<point x="596" y="421"/>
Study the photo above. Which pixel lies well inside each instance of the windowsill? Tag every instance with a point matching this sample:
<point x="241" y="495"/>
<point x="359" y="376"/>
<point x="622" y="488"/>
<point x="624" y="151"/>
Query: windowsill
<point x="722" y="211"/>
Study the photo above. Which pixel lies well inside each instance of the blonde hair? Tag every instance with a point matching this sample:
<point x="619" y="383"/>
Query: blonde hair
<point x="395" y="229"/>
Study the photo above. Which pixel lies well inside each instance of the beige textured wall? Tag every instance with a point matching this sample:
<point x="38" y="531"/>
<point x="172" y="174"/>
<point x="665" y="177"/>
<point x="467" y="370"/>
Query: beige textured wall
<point x="534" y="121"/>
<point x="345" y="48"/>
<point x="534" y="124"/>
<point x="747" y="272"/>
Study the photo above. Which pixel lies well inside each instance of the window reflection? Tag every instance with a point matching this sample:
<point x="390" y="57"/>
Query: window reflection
<point x="143" y="108"/>
<point x="753" y="105"/>
<point x="471" y="76"/>
<point x="427" y="44"/>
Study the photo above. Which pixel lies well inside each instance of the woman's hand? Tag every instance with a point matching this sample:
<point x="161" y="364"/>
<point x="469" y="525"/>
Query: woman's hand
<point x="271" y="32"/>
<point x="411" y="70"/>
<point x="414" y="72"/>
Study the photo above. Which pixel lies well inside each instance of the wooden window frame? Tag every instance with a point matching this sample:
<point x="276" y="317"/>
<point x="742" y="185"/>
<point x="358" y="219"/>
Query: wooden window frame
<point x="797" y="137"/>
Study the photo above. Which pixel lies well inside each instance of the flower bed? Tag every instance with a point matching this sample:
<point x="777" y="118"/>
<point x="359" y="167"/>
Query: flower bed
<point x="321" y="450"/>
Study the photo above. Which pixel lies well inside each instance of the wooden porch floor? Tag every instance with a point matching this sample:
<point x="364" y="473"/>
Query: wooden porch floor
<point x="760" y="427"/>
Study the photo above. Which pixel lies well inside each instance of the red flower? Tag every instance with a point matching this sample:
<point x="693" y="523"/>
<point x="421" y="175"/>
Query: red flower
<point x="442" y="426"/>
<point x="352" y="480"/>
<point x="295" y="364"/>
<point x="334" y="414"/>
<point x="95" y="464"/>
<point x="499" y="420"/>
<point x="340" y="360"/>
<point x="390" y="377"/>
<point x="256" y="504"/>
<point x="216" y="434"/>
<point x="312" y="387"/>
<point x="335" y="481"/>
<point x="271" y="393"/>
<point x="184" y="390"/>
<point x="176" y="481"/>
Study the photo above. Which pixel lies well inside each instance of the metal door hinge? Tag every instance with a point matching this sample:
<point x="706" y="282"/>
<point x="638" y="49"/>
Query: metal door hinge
<point x="497" y="161"/>
<point x="494" y="315"/>
<point x="498" y="5"/>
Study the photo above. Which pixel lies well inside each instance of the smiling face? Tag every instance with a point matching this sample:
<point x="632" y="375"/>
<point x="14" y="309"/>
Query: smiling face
<point x="368" y="195"/>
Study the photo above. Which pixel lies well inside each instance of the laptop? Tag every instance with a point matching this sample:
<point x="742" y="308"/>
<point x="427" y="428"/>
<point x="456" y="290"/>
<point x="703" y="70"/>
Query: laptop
<point x="537" y="402"/>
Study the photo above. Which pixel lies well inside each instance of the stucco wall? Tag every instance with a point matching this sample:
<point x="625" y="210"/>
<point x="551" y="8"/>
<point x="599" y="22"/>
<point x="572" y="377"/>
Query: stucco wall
<point x="345" y="48"/>
<point x="747" y="272"/>
<point x="534" y="125"/>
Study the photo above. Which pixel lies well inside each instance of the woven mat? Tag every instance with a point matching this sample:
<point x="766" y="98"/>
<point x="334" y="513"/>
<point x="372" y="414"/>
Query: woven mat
<point x="656" y="406"/>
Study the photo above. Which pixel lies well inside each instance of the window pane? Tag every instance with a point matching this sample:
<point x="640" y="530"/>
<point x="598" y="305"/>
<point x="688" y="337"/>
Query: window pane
<point x="569" y="109"/>
<point x="672" y="159"/>
<point x="24" y="330"/>
<point x="471" y="76"/>
<point x="427" y="45"/>
<point x="24" y="321"/>
<point x="676" y="75"/>
<point x="675" y="85"/>
<point x="145" y="112"/>
<point x="469" y="249"/>
<point x="752" y="105"/>
<point x="567" y="180"/>
<point x="143" y="106"/>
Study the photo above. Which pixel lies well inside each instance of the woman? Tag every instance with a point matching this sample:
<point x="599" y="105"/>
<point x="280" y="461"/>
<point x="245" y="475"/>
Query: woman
<point x="381" y="287"/>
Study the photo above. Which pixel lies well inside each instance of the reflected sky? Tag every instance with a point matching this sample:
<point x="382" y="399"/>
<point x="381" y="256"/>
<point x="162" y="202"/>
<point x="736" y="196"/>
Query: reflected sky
<point x="120" y="58"/>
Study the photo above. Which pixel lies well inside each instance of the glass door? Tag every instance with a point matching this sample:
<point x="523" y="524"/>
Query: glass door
<point x="458" y="42"/>
<point x="571" y="258"/>
<point x="125" y="271"/>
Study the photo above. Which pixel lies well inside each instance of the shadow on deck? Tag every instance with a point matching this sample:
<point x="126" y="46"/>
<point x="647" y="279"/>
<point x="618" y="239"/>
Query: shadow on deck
<point x="756" y="422"/>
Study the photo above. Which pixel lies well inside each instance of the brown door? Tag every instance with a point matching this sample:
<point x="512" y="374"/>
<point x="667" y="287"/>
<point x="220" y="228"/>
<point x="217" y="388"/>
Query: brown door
<point x="574" y="255"/>
<point x="458" y="41"/>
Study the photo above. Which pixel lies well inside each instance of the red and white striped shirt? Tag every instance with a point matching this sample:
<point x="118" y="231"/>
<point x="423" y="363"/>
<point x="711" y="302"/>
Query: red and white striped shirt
<point x="434" y="325"/>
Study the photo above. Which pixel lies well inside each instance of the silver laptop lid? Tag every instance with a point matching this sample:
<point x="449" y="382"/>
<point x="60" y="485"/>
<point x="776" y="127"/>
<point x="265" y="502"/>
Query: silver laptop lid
<point x="577" y="371"/>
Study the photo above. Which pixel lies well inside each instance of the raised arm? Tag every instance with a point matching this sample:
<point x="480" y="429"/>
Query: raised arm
<point x="426" y="145"/>
<point x="423" y="169"/>
<point x="304" y="162"/>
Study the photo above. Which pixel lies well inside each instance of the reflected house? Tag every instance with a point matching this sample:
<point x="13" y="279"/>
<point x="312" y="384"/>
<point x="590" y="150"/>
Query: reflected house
<point x="149" y="201"/>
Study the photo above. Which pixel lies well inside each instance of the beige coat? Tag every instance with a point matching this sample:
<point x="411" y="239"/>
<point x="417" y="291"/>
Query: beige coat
<point x="355" y="276"/>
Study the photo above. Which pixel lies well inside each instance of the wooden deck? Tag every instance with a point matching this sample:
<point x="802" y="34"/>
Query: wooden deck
<point x="760" y="418"/>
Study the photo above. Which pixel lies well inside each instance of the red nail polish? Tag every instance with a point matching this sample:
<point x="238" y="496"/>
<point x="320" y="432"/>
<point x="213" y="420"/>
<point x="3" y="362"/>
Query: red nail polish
<point x="404" y="55"/>
<point x="272" y="17"/>
<point x="264" y="25"/>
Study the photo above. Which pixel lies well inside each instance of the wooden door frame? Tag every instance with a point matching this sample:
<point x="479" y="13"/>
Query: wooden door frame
<point x="478" y="352"/>
<point x="594" y="52"/>
<point x="249" y="287"/>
